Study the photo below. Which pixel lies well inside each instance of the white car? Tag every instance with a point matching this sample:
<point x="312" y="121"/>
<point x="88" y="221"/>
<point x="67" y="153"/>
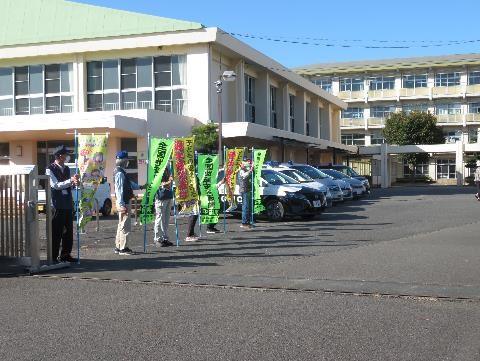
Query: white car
<point x="102" y="195"/>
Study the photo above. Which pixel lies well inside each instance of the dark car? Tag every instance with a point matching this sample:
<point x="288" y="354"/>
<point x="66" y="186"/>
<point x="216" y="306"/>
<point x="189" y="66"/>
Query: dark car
<point x="347" y="171"/>
<point x="283" y="197"/>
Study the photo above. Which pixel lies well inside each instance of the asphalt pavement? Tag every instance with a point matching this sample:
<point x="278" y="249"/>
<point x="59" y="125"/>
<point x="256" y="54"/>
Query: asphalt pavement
<point x="393" y="276"/>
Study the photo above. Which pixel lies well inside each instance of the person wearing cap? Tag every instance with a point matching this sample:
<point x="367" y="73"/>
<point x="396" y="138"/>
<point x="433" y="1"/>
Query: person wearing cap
<point x="61" y="183"/>
<point x="245" y="188"/>
<point x="477" y="180"/>
<point x="163" y="205"/>
<point x="124" y="188"/>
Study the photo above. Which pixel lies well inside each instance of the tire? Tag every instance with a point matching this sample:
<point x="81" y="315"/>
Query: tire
<point x="107" y="208"/>
<point x="275" y="211"/>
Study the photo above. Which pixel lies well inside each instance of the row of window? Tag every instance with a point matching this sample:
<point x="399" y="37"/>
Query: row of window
<point x="409" y="81"/>
<point x="385" y="110"/>
<point x="445" y="169"/>
<point x="36" y="89"/>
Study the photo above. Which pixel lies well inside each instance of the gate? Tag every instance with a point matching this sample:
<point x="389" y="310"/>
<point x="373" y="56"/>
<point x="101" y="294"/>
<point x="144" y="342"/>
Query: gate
<point x="18" y="236"/>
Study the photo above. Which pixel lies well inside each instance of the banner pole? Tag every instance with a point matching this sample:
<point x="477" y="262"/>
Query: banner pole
<point x="195" y="163"/>
<point x="253" y="187"/>
<point x="225" y="189"/>
<point x="145" y="199"/>
<point x="77" y="205"/>
<point x="174" y="206"/>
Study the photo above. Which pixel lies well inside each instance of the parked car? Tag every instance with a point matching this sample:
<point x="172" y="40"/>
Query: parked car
<point x="319" y="176"/>
<point x="102" y="195"/>
<point x="358" y="189"/>
<point x="282" y="197"/>
<point x="349" y="171"/>
<point x="304" y="180"/>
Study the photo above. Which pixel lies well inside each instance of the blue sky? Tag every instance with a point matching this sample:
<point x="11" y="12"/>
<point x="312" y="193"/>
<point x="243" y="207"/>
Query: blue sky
<point x="335" y="30"/>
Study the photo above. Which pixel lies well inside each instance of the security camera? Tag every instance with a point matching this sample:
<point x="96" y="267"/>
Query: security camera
<point x="229" y="75"/>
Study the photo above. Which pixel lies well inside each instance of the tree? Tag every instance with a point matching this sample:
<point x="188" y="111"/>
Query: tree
<point x="206" y="137"/>
<point x="413" y="128"/>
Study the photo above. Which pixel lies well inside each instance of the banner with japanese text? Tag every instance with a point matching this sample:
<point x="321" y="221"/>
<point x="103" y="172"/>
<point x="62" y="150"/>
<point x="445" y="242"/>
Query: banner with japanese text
<point x="186" y="195"/>
<point x="233" y="161"/>
<point x="92" y="150"/>
<point x="258" y="159"/>
<point x="209" y="197"/>
<point x="158" y="157"/>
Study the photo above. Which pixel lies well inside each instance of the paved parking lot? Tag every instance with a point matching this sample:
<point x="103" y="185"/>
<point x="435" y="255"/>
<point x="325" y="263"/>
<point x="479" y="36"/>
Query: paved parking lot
<point x="393" y="276"/>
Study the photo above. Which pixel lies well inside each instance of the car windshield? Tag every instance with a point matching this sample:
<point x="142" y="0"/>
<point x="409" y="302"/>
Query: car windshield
<point x="335" y="174"/>
<point x="297" y="175"/>
<point x="310" y="171"/>
<point x="276" y="178"/>
<point x="347" y="171"/>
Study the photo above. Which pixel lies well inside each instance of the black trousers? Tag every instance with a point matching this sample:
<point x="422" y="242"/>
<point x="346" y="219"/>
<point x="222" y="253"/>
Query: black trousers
<point x="62" y="232"/>
<point x="191" y="225"/>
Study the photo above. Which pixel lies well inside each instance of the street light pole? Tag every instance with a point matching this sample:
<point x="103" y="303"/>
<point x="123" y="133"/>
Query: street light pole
<point x="227" y="76"/>
<point x="218" y="85"/>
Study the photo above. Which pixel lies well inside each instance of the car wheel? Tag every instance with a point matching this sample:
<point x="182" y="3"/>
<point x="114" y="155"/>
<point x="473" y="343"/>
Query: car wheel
<point x="107" y="208"/>
<point x="275" y="211"/>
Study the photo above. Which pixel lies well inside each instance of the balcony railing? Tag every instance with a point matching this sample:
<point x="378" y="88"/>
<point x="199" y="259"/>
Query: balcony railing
<point x="352" y="122"/>
<point x="473" y="89"/>
<point x="447" y="90"/>
<point x="178" y="106"/>
<point x="6" y="112"/>
<point x="376" y="122"/>
<point x="450" y="118"/>
<point x="415" y="92"/>
<point x="472" y="117"/>
<point x="382" y="93"/>
<point x="349" y="94"/>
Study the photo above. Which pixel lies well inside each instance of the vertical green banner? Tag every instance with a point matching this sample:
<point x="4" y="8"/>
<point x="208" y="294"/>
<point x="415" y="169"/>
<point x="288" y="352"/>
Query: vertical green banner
<point x="258" y="159"/>
<point x="160" y="152"/>
<point x="92" y="150"/>
<point x="209" y="197"/>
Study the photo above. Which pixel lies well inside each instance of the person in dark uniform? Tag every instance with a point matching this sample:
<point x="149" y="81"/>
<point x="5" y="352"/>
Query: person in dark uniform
<point x="61" y="183"/>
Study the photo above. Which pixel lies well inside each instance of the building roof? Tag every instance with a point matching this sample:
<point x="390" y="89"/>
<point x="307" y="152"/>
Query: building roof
<point x="45" y="21"/>
<point x="389" y="64"/>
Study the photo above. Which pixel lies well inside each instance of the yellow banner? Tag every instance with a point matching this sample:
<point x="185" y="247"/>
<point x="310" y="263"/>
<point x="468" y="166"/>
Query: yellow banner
<point x="184" y="170"/>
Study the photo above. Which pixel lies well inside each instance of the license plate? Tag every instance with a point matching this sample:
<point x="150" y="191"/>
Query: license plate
<point x="317" y="204"/>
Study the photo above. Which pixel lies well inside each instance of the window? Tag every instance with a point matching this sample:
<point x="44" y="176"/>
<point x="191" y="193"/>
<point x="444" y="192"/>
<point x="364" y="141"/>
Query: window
<point x="6" y="91"/>
<point x="273" y="107"/>
<point x="40" y="89"/>
<point x="351" y="84"/>
<point x="353" y="139"/>
<point x="324" y="83"/>
<point x="474" y="108"/>
<point x="138" y="83"/>
<point x="382" y="82"/>
<point x="308" y="109"/>
<point x="291" y="112"/>
<point x="472" y="135"/>
<point x="448" y="108"/>
<point x="354" y="112"/>
<point x="474" y="77"/>
<point x="414" y="81"/>
<point x="420" y="169"/>
<point x="415" y="107"/>
<point x="446" y="169"/>
<point x="447" y="79"/>
<point x="249" y="99"/>
<point x="453" y="136"/>
<point x="4" y="149"/>
<point x="381" y="111"/>
<point x="377" y="139"/>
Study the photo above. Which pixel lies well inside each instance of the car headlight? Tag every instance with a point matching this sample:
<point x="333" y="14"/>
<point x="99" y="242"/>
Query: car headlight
<point x="295" y="195"/>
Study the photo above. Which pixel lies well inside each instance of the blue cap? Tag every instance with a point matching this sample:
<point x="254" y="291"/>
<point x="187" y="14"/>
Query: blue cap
<point x="122" y="154"/>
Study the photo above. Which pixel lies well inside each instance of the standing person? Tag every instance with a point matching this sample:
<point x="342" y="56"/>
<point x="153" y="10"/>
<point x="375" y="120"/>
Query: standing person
<point x="245" y="188"/>
<point x="61" y="183"/>
<point x="477" y="180"/>
<point x="163" y="205"/>
<point x="191" y="236"/>
<point x="124" y="188"/>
